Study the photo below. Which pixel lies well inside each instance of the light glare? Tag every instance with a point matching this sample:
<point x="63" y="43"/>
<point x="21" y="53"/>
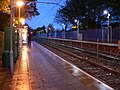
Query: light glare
<point x="20" y="3"/>
<point x="105" y="12"/>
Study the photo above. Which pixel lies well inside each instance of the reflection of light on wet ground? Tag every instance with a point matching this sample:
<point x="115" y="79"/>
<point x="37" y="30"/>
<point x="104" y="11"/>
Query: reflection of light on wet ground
<point x="31" y="44"/>
<point x="21" y="79"/>
<point x="24" y="54"/>
<point x="100" y="86"/>
<point x="75" y="70"/>
<point x="30" y="67"/>
<point x="90" y="81"/>
<point x="24" y="58"/>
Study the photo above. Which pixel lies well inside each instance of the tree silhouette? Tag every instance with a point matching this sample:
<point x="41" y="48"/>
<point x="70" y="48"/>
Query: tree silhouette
<point x="88" y="12"/>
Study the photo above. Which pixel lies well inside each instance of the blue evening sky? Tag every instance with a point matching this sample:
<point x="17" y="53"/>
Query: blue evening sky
<point x="47" y="12"/>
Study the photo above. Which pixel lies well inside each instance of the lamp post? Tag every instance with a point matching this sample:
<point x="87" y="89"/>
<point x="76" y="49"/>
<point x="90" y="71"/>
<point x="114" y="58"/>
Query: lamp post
<point x="77" y="26"/>
<point x="19" y="4"/>
<point x="11" y="29"/>
<point x="108" y="17"/>
<point x="50" y="31"/>
<point x="64" y="29"/>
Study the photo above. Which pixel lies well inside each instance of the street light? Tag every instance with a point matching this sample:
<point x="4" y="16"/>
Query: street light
<point x="77" y="26"/>
<point x="50" y="31"/>
<point x="108" y="17"/>
<point x="11" y="29"/>
<point x="76" y="21"/>
<point x="64" y="29"/>
<point x="19" y="3"/>
<point x="22" y="21"/>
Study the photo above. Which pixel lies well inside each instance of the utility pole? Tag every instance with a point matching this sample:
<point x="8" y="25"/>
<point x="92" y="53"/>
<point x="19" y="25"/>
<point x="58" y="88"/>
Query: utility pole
<point x="11" y="45"/>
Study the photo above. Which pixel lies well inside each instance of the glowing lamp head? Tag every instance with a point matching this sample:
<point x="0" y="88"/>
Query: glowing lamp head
<point x="105" y="12"/>
<point x="20" y="3"/>
<point x="22" y="20"/>
<point x="75" y="20"/>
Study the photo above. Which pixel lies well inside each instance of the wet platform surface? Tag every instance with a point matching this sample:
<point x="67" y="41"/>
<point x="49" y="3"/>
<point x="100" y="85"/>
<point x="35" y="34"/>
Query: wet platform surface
<point x="39" y="69"/>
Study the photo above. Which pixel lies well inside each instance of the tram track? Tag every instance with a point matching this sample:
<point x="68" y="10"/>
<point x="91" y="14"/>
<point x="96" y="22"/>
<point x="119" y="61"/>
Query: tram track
<point x="88" y="64"/>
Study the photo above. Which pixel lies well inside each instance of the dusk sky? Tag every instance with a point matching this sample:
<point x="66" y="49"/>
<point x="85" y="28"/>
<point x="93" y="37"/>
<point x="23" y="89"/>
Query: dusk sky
<point x="47" y="12"/>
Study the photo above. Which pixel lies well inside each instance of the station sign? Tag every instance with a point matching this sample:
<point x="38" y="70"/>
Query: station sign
<point x="74" y="27"/>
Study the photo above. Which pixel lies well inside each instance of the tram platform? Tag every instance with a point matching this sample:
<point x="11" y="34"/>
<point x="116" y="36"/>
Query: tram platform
<point x="37" y="68"/>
